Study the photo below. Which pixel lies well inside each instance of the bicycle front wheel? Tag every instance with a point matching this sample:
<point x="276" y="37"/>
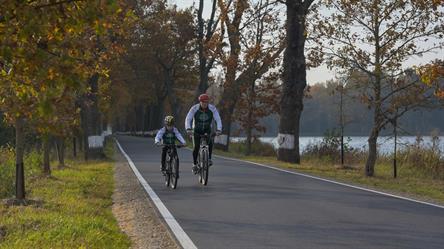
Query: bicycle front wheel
<point x="174" y="172"/>
<point x="168" y="173"/>
<point x="204" y="168"/>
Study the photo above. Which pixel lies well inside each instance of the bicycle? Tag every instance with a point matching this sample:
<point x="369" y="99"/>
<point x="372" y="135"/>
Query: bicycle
<point x="171" y="172"/>
<point x="202" y="159"/>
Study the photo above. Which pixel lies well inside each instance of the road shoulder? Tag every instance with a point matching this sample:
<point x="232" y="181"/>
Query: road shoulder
<point x="135" y="212"/>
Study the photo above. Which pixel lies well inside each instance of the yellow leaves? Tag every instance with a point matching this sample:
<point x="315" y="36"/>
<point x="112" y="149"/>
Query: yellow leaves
<point x="51" y="74"/>
<point x="431" y="74"/>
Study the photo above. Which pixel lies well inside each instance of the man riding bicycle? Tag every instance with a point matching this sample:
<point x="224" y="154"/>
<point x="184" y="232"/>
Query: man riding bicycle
<point x="202" y="114"/>
<point x="168" y="135"/>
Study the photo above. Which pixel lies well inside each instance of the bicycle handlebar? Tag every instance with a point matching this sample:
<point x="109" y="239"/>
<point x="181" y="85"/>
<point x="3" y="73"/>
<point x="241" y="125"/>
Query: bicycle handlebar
<point x="170" y="145"/>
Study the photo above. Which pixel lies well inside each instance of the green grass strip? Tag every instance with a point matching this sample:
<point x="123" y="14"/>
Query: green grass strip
<point x="75" y="212"/>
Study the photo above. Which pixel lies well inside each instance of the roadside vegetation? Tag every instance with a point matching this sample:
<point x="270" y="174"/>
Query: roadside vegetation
<point x="69" y="209"/>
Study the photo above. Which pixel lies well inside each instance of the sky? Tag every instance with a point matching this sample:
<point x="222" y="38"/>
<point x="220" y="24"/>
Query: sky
<point x="319" y="74"/>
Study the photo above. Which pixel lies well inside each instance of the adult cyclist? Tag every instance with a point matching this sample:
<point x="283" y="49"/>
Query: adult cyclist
<point x="199" y="119"/>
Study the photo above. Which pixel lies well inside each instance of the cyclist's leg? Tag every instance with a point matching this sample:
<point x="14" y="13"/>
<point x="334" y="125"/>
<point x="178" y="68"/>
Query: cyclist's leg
<point x="162" y="165"/>
<point x="196" y="143"/>
<point x="210" y="147"/>
<point x="177" y="156"/>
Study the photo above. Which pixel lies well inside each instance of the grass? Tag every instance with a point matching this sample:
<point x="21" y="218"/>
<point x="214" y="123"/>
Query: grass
<point x="411" y="181"/>
<point x="74" y="211"/>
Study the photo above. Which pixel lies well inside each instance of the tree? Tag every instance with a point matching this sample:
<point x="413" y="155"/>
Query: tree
<point x="294" y="80"/>
<point x="256" y="102"/>
<point x="254" y="49"/>
<point x="209" y="42"/>
<point x="47" y="51"/>
<point x="167" y="39"/>
<point x="376" y="37"/>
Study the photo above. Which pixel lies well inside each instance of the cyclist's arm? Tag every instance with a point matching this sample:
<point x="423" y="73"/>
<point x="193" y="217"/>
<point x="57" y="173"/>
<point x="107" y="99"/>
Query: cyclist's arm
<point x="216" y="117"/>
<point x="190" y="116"/>
<point x="159" y="135"/>
<point x="179" y="136"/>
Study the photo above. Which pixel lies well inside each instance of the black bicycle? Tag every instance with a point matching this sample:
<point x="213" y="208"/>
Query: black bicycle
<point x="203" y="158"/>
<point x="171" y="172"/>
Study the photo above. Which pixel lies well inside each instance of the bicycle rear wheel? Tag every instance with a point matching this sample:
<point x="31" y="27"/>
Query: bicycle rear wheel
<point x="168" y="172"/>
<point x="174" y="172"/>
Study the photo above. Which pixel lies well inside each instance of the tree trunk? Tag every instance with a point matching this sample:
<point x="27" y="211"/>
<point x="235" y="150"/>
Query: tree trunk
<point x="60" y="145"/>
<point x="19" y="152"/>
<point x="294" y="83"/>
<point x="172" y="97"/>
<point x="372" y="153"/>
<point x="248" y="151"/>
<point x="205" y="64"/>
<point x="84" y="140"/>
<point x="46" y="152"/>
<point x="225" y="115"/>
<point x="74" y="147"/>
<point x="395" y="131"/>
<point x="251" y="103"/>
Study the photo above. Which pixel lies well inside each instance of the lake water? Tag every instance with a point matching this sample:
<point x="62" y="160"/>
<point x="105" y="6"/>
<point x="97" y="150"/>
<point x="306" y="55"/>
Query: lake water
<point x="385" y="144"/>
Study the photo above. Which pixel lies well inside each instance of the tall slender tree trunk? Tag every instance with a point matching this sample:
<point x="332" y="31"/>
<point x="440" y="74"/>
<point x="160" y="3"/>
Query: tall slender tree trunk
<point x="172" y="97"/>
<point x="251" y="103"/>
<point x="74" y="147"/>
<point x="60" y="145"/>
<point x="19" y="153"/>
<point x="294" y="83"/>
<point x="46" y="152"/>
<point x="84" y="140"/>
<point x="226" y="111"/>
<point x="205" y="64"/>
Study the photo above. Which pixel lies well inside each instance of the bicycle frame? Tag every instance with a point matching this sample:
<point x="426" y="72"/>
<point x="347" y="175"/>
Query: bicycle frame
<point x="171" y="175"/>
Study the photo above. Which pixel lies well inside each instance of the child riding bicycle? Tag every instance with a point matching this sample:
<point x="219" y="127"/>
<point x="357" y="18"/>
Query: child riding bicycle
<point x="168" y="135"/>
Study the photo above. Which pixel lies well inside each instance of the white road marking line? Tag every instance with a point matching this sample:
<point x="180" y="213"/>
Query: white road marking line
<point x="326" y="180"/>
<point x="180" y="234"/>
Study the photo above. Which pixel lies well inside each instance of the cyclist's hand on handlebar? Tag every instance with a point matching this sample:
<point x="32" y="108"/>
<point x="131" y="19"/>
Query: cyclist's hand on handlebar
<point x="190" y="133"/>
<point x="218" y="133"/>
<point x="157" y="143"/>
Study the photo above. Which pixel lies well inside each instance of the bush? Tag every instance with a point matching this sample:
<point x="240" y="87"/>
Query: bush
<point x="425" y="158"/>
<point x="258" y="148"/>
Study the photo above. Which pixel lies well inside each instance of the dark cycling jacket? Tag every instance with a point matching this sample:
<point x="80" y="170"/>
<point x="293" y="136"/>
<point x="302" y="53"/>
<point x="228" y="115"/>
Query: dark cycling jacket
<point x="202" y="119"/>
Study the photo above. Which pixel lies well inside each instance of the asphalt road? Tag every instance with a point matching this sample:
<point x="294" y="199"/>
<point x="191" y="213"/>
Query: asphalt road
<point x="248" y="206"/>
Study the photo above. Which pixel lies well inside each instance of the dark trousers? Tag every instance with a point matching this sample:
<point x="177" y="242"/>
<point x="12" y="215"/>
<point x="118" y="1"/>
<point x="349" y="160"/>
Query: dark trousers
<point x="196" y="143"/>
<point x="164" y="151"/>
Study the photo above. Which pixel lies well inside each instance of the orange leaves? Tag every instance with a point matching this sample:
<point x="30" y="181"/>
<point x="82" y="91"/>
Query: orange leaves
<point x="433" y="76"/>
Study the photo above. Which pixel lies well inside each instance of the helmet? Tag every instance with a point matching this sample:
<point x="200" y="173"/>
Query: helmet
<point x="169" y="120"/>
<point x="204" y="98"/>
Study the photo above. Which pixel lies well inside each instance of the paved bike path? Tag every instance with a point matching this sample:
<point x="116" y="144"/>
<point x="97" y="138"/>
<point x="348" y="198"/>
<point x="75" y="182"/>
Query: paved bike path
<point x="248" y="206"/>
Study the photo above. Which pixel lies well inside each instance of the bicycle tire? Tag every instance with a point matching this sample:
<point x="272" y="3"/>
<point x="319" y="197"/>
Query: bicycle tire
<point x="204" y="169"/>
<point x="174" y="172"/>
<point x="168" y="172"/>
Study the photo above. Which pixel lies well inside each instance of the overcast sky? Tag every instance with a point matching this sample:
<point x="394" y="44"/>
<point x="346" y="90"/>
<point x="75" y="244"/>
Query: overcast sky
<point x="320" y="74"/>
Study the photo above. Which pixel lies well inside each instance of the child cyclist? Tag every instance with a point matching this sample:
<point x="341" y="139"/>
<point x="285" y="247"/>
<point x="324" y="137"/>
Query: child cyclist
<point x="168" y="135"/>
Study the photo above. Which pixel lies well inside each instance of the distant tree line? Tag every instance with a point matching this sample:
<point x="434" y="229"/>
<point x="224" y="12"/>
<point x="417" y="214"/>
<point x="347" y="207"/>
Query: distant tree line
<point x="321" y="114"/>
